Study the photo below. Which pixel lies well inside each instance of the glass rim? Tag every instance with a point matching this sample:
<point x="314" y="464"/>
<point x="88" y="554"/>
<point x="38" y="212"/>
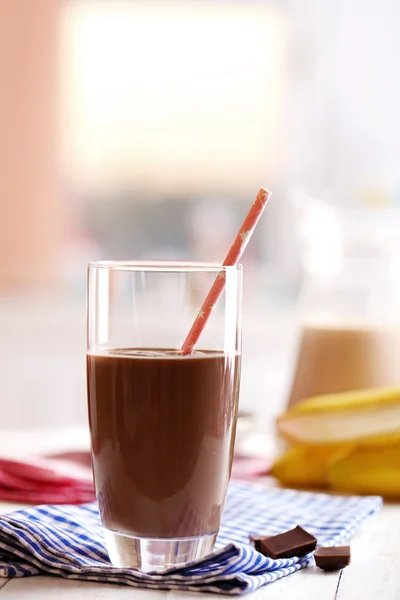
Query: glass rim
<point x="163" y="266"/>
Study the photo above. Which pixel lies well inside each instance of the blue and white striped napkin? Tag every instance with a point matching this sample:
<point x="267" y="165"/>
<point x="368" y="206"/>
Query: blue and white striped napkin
<point x="67" y="540"/>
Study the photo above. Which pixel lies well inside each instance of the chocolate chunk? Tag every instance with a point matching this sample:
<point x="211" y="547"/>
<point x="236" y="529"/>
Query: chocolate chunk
<point x="332" y="559"/>
<point x="296" y="542"/>
<point x="255" y="540"/>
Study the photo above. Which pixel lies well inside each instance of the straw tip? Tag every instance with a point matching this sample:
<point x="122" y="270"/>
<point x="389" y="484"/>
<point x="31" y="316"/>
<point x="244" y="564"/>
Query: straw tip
<point x="267" y="191"/>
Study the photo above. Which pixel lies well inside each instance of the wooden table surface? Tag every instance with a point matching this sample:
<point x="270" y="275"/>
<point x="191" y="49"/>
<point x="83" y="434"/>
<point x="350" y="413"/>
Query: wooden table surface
<point x="373" y="574"/>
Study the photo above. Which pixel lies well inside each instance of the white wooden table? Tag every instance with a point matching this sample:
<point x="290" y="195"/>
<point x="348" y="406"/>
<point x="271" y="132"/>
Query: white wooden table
<point x="373" y="574"/>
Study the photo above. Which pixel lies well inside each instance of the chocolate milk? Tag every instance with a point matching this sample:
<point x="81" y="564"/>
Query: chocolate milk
<point x="163" y="428"/>
<point x="338" y="358"/>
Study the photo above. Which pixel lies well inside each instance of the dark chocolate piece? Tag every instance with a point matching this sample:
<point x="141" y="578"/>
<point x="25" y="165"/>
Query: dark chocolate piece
<point x="255" y="540"/>
<point x="296" y="542"/>
<point x="332" y="559"/>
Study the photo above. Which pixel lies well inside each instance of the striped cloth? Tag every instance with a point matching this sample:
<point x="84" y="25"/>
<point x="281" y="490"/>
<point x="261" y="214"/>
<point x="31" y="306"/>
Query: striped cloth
<point x="67" y="540"/>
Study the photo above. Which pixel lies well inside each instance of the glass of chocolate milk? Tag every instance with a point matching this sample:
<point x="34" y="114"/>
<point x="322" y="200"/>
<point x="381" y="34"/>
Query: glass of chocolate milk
<point x="162" y="423"/>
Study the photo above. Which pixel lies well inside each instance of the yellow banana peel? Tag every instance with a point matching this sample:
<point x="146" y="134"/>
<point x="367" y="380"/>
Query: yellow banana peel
<point x="307" y="466"/>
<point x="368" y="417"/>
<point x="373" y="471"/>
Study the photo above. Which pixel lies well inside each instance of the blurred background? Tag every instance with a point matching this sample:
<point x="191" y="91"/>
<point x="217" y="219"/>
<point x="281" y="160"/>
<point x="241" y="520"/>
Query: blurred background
<point x="137" y="129"/>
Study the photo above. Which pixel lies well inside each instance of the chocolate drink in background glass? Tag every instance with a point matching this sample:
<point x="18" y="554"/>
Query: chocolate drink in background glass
<point x="162" y="422"/>
<point x="334" y="358"/>
<point x="349" y="300"/>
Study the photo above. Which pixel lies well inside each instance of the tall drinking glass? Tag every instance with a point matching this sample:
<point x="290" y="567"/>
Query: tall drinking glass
<point x="162" y="423"/>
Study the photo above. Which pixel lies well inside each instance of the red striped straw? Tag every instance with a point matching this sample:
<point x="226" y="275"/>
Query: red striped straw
<point x="232" y="258"/>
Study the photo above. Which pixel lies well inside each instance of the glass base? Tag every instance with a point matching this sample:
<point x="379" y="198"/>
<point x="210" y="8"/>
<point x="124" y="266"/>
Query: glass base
<point x="154" y="554"/>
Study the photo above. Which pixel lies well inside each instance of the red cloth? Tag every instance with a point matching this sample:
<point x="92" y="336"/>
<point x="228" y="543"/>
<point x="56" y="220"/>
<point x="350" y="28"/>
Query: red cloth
<point x="66" y="478"/>
<point x="58" y="479"/>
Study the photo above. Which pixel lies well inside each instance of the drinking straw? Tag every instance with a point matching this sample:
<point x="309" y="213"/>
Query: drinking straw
<point x="232" y="258"/>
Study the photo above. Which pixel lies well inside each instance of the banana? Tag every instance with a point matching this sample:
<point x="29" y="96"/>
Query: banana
<point x="306" y="466"/>
<point x="368" y="417"/>
<point x="367" y="471"/>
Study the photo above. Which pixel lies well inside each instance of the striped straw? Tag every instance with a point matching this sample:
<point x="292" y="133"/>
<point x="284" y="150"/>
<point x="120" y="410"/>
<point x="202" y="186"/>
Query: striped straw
<point x="232" y="258"/>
